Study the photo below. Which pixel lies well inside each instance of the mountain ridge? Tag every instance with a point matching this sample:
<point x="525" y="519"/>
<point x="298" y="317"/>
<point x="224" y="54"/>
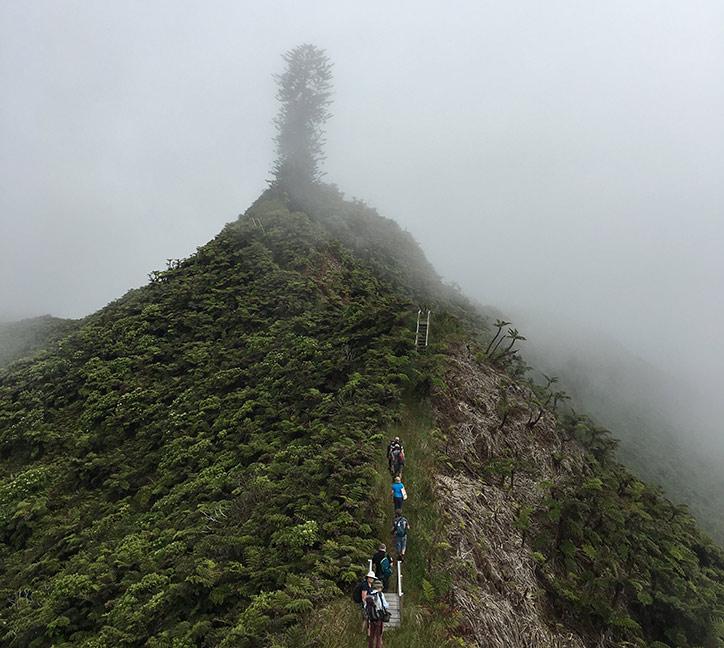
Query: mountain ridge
<point x="193" y="465"/>
<point x="22" y="338"/>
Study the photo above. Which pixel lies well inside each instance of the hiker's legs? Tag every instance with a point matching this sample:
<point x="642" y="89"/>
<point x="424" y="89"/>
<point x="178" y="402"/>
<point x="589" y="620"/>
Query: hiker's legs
<point x="375" y="637"/>
<point x="398" y="502"/>
<point x="400" y="546"/>
<point x="385" y="583"/>
<point x="371" y="638"/>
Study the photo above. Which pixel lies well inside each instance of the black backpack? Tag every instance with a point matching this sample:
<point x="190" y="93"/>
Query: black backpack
<point x="357" y="593"/>
<point x="371" y="611"/>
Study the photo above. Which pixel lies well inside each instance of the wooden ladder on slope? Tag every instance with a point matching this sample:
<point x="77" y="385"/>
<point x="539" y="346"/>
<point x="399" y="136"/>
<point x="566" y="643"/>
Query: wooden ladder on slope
<point x="422" y="332"/>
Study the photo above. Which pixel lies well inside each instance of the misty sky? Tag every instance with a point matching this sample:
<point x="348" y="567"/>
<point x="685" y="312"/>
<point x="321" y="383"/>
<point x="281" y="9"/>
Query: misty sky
<point x="563" y="161"/>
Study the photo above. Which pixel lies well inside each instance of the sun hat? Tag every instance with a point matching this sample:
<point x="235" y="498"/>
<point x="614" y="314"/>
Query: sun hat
<point x="371" y="575"/>
<point x="382" y="547"/>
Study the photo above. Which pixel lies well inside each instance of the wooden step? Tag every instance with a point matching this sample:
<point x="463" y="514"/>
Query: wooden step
<point x="393" y="602"/>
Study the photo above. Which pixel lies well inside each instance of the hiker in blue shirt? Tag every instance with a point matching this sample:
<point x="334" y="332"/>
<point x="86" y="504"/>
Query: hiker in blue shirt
<point x="399" y="494"/>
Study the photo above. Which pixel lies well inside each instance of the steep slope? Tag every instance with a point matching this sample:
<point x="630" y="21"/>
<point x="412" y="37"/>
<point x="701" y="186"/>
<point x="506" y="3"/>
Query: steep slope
<point x="201" y="464"/>
<point x="558" y="545"/>
<point x="497" y="476"/>
<point x="190" y="465"/>
<point x="653" y="415"/>
<point x="23" y="338"/>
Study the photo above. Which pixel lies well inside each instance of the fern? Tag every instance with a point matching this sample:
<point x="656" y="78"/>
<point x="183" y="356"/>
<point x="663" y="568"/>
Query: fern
<point x="428" y="591"/>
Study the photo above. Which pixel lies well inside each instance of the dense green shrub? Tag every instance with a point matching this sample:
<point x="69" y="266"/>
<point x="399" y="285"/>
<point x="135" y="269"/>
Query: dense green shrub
<point x="617" y="556"/>
<point x="191" y="466"/>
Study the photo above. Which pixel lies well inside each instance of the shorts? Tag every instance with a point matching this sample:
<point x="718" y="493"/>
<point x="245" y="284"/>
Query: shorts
<point x="401" y="544"/>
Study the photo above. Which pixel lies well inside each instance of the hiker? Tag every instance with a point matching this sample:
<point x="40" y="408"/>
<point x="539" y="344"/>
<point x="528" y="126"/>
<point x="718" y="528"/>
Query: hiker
<point x="382" y="565"/>
<point x="392" y="444"/>
<point x="363" y="589"/>
<point x="376" y="613"/>
<point x="397" y="461"/>
<point x="393" y="450"/>
<point x="399" y="494"/>
<point x="400" y="527"/>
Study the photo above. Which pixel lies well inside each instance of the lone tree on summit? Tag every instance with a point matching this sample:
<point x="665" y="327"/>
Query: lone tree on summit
<point x="304" y="91"/>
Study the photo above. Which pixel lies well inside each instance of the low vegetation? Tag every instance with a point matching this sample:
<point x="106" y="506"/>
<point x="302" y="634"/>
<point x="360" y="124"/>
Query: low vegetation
<point x="192" y="465"/>
<point x="201" y="463"/>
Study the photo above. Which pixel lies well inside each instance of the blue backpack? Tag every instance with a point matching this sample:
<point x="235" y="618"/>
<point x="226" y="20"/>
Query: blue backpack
<point x="386" y="567"/>
<point x="401" y="527"/>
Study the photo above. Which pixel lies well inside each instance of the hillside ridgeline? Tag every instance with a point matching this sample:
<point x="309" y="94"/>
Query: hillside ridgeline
<point x="191" y="464"/>
<point x="28" y="336"/>
<point x="198" y="463"/>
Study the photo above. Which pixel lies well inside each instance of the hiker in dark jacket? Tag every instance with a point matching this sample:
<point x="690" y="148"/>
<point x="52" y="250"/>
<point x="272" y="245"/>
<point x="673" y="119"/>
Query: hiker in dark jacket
<point x="364" y="589"/>
<point x="382" y="564"/>
<point x="400" y="527"/>
<point x="393" y="452"/>
<point x="397" y="461"/>
<point x="368" y="586"/>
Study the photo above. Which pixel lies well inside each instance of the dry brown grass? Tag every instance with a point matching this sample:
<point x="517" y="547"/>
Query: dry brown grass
<point x="495" y="585"/>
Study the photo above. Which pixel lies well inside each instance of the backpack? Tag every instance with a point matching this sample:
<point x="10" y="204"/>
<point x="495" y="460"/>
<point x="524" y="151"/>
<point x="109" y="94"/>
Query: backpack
<point x="357" y="593"/>
<point x="374" y="610"/>
<point x="370" y="608"/>
<point x="386" y="567"/>
<point x="401" y="527"/>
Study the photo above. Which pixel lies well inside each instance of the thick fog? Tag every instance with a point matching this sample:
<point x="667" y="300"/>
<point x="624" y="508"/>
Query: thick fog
<point x="563" y="161"/>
